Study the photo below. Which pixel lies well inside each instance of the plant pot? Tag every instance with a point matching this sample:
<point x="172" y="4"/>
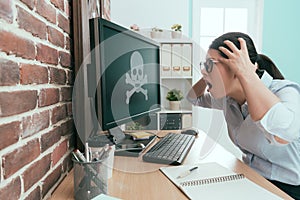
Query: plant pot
<point x="174" y="105"/>
<point x="156" y="34"/>
<point x="176" y="34"/>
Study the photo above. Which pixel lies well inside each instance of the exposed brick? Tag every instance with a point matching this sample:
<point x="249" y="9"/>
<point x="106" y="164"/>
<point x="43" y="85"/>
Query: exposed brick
<point x="58" y="4"/>
<point x="59" y="152"/>
<point x="67" y="128"/>
<point x="46" y="10"/>
<point x="51" y="180"/>
<point x="17" y="102"/>
<point x="59" y="113"/>
<point x="70" y="76"/>
<point x="50" y="138"/>
<point x="68" y="9"/>
<point x="9" y="133"/>
<point x="48" y="96"/>
<point x="67" y="164"/>
<point x="31" y="24"/>
<point x="35" y="123"/>
<point x="35" y="194"/>
<point x="36" y="171"/>
<point x="33" y="74"/>
<point x="15" y="160"/>
<point x="68" y="43"/>
<point x="23" y="171"/>
<point x="66" y="93"/>
<point x="72" y="141"/>
<point x="12" y="190"/>
<point x="57" y="76"/>
<point x="13" y="44"/>
<point x="6" y="12"/>
<point x="64" y="59"/>
<point x="29" y="3"/>
<point x="47" y="54"/>
<point x="64" y="23"/>
<point x="9" y="73"/>
<point x="56" y="37"/>
<point x="69" y="109"/>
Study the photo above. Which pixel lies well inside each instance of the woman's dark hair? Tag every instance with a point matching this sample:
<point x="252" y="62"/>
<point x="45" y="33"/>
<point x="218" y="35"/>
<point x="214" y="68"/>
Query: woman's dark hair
<point x="263" y="61"/>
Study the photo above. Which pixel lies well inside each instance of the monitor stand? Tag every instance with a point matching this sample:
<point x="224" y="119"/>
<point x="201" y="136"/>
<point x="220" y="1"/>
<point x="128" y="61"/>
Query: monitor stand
<point x="117" y="134"/>
<point x="126" y="146"/>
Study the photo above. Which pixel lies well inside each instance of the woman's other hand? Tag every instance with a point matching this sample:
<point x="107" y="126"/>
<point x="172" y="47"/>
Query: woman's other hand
<point x="238" y="59"/>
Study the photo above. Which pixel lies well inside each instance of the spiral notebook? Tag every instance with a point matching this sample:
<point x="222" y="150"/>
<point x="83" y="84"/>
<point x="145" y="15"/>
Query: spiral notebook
<point x="213" y="181"/>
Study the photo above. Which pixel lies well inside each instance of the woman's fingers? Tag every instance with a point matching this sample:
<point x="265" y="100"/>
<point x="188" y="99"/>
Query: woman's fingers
<point x="231" y="46"/>
<point x="243" y="44"/>
<point x="226" y="52"/>
<point x="244" y="48"/>
<point x="238" y="59"/>
<point x="234" y="49"/>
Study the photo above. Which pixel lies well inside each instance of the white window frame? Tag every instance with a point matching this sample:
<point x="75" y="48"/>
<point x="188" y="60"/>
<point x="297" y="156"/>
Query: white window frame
<point x="255" y="16"/>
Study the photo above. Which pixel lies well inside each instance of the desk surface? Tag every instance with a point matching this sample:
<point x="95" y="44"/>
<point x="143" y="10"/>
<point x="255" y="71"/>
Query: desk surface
<point x="135" y="179"/>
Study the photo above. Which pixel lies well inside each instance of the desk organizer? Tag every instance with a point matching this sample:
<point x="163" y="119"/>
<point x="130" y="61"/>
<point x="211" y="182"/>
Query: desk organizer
<point x="90" y="179"/>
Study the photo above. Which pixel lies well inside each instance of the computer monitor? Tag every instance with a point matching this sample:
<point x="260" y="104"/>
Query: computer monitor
<point x="127" y="71"/>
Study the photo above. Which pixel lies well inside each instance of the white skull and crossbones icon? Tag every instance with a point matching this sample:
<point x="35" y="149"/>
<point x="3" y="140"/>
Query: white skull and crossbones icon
<point x="136" y="77"/>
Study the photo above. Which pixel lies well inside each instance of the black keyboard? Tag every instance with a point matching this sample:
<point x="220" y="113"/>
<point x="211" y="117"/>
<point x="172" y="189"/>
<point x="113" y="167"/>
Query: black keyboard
<point x="171" y="149"/>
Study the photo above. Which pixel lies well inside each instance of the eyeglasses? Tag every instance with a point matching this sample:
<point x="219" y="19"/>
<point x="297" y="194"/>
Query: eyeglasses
<point x="208" y="65"/>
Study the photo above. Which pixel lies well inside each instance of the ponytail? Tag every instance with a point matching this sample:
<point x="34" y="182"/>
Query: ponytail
<point x="265" y="63"/>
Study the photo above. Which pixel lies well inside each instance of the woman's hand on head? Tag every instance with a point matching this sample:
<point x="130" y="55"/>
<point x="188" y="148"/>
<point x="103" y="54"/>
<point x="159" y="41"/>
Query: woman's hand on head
<point x="238" y="60"/>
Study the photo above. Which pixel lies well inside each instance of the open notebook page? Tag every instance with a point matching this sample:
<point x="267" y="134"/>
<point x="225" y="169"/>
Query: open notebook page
<point x="213" y="181"/>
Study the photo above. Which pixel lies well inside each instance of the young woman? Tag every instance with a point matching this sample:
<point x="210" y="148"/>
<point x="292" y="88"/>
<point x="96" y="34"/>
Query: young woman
<point x="262" y="110"/>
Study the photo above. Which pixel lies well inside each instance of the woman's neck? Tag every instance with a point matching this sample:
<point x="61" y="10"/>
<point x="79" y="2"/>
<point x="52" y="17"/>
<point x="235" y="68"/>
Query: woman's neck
<point x="238" y="94"/>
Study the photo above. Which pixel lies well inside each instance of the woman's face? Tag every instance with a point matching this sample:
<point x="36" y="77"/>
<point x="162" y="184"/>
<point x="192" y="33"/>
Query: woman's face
<point x="220" y="79"/>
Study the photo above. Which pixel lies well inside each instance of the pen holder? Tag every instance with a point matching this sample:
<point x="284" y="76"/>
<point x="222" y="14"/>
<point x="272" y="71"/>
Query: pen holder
<point x="109" y="162"/>
<point x="90" y="179"/>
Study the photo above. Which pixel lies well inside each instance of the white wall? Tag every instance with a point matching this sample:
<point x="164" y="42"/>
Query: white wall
<point x="147" y="14"/>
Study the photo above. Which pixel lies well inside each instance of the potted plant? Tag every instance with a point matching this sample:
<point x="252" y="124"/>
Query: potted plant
<point x="176" y="31"/>
<point x="134" y="126"/>
<point x="174" y="96"/>
<point x="134" y="27"/>
<point x="156" y="32"/>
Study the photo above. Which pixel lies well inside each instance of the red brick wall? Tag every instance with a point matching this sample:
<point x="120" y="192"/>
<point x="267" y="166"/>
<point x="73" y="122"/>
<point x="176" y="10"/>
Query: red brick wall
<point x="36" y="78"/>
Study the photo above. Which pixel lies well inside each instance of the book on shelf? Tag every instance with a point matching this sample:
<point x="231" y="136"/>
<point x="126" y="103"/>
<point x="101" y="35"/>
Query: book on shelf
<point x="176" y="60"/>
<point x="187" y="59"/>
<point x="213" y="181"/>
<point x="166" y="60"/>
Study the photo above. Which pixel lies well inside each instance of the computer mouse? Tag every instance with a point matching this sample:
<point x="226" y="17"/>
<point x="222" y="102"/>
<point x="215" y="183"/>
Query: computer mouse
<point x="190" y="132"/>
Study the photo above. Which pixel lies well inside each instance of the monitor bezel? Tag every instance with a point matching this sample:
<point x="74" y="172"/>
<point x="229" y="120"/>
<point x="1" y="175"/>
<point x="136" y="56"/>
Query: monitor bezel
<point x="97" y="37"/>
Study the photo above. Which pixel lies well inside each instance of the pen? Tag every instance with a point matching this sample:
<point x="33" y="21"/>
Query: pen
<point x="186" y="173"/>
<point x="87" y="153"/>
<point x="75" y="157"/>
<point x="79" y="156"/>
<point x="103" y="151"/>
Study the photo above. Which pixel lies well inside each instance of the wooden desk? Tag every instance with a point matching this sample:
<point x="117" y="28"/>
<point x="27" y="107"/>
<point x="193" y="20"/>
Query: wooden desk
<point x="135" y="179"/>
